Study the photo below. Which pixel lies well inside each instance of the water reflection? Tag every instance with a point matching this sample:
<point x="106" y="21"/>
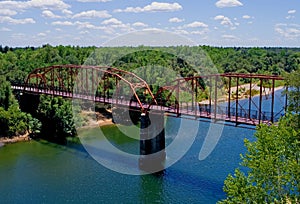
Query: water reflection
<point x="152" y="188"/>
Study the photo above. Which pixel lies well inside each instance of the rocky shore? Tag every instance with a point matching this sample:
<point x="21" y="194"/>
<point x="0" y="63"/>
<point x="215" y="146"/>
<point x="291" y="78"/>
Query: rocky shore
<point x="8" y="140"/>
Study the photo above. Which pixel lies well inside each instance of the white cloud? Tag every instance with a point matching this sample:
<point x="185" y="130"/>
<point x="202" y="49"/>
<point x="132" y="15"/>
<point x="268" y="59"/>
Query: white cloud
<point x="225" y="21"/>
<point x="48" y="4"/>
<point x="42" y="34"/>
<point x="9" y="20"/>
<point x="139" y="24"/>
<point x="49" y="14"/>
<point x="62" y="23"/>
<point x="67" y="12"/>
<point x="176" y="20"/>
<point x="4" y="29"/>
<point x="84" y="32"/>
<point x="291" y="11"/>
<point x="228" y="3"/>
<point x="111" y="21"/>
<point x="181" y="32"/>
<point x="290" y="31"/>
<point x="7" y="12"/>
<point x="93" y="1"/>
<point x="92" y="14"/>
<point x="229" y="37"/>
<point x="153" y="7"/>
<point x="200" y="32"/>
<point x="246" y="17"/>
<point x="196" y="24"/>
<point x="40" y="4"/>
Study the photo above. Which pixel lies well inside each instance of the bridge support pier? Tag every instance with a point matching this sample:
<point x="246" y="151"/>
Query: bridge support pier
<point x="152" y="142"/>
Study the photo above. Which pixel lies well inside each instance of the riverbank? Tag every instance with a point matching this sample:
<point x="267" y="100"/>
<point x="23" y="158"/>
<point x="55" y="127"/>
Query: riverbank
<point x="8" y="140"/>
<point x="93" y="119"/>
<point x="97" y="119"/>
<point x="243" y="93"/>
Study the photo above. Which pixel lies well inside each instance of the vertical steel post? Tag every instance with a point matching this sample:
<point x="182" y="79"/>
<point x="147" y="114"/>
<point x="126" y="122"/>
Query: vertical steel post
<point x="250" y="99"/>
<point x="286" y="98"/>
<point x="229" y="95"/>
<point x="87" y="81"/>
<point x="260" y="100"/>
<point x="196" y="96"/>
<point x="237" y="100"/>
<point x="210" y="87"/>
<point x="216" y="97"/>
<point x="93" y="88"/>
<point x="177" y="97"/>
<point x="272" y="105"/>
<point x="52" y="80"/>
<point x="192" y="94"/>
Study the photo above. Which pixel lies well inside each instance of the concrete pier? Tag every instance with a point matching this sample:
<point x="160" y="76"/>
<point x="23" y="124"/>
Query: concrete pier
<point x="152" y="142"/>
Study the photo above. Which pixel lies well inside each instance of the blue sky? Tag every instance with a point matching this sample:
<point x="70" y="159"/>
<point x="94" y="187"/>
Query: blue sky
<point x="205" y="22"/>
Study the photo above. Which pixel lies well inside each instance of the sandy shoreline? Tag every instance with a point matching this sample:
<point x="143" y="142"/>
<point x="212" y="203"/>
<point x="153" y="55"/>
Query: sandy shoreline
<point x="265" y="91"/>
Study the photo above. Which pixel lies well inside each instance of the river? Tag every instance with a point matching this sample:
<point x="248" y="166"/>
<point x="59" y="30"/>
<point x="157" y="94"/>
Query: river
<point x="43" y="172"/>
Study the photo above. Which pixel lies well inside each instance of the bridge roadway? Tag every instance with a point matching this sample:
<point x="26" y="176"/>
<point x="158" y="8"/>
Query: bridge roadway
<point x="185" y="109"/>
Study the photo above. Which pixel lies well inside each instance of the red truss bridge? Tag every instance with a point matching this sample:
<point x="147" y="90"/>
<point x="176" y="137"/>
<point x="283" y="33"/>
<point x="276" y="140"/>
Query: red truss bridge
<point x="213" y="96"/>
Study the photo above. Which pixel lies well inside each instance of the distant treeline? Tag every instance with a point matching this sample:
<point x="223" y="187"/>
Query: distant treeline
<point x="16" y="63"/>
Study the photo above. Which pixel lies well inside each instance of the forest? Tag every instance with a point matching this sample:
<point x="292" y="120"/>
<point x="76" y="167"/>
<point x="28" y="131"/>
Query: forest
<point x="17" y="63"/>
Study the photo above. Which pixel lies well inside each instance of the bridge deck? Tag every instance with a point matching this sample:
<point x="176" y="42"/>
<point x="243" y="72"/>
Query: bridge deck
<point x="190" y="111"/>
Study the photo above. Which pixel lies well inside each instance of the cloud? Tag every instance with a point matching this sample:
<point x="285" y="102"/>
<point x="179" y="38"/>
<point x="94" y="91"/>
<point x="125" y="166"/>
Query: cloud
<point x="153" y="7"/>
<point x="176" y="20"/>
<point x="9" y="20"/>
<point x="85" y="1"/>
<point x="67" y="12"/>
<point x="48" y="4"/>
<point x="181" y="32"/>
<point x="290" y="31"/>
<point x="196" y="24"/>
<point x="92" y="14"/>
<point x="225" y="21"/>
<point x="291" y="11"/>
<point x="228" y="3"/>
<point x="7" y="12"/>
<point x="139" y="24"/>
<point x="42" y="34"/>
<point x="62" y="23"/>
<point x="4" y="29"/>
<point x="49" y="14"/>
<point x="23" y="5"/>
<point x="111" y="21"/>
<point x="200" y="32"/>
<point x="246" y="17"/>
<point x="229" y="37"/>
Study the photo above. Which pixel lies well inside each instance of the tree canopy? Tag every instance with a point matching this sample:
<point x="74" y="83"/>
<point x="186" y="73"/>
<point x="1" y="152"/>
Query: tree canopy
<point x="273" y="160"/>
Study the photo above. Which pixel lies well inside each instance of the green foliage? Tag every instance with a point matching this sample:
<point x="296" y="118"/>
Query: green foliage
<point x="274" y="166"/>
<point x="6" y="96"/>
<point x="14" y="122"/>
<point x="57" y="116"/>
<point x="293" y="83"/>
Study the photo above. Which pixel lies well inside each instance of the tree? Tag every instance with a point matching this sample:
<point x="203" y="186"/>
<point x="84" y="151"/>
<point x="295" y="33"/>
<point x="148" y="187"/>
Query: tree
<point x="57" y="116"/>
<point x="273" y="161"/>
<point x="293" y="83"/>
